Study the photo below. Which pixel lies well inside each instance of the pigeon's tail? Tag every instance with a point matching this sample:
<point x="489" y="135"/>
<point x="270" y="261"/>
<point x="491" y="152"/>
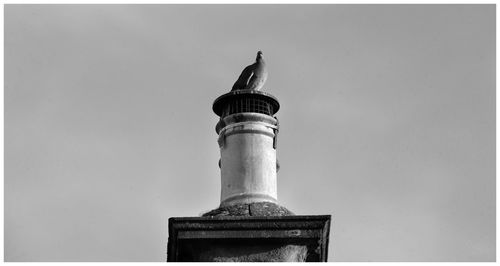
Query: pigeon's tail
<point x="237" y="87"/>
<point x="242" y="81"/>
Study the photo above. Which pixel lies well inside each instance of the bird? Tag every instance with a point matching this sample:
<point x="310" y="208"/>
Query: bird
<point x="253" y="76"/>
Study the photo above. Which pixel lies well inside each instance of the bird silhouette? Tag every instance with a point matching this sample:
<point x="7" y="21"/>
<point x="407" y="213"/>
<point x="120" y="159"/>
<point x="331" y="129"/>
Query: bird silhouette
<point x="253" y="76"/>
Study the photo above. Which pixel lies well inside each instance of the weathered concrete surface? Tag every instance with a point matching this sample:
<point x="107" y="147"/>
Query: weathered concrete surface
<point x="248" y="159"/>
<point x="250" y="238"/>
<point x="288" y="253"/>
<point x="250" y="209"/>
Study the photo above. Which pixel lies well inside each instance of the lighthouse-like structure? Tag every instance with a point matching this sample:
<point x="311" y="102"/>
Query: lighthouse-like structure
<point x="249" y="224"/>
<point x="248" y="134"/>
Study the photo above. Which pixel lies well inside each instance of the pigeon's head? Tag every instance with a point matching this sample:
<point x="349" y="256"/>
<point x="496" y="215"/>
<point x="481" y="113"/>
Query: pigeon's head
<point x="259" y="55"/>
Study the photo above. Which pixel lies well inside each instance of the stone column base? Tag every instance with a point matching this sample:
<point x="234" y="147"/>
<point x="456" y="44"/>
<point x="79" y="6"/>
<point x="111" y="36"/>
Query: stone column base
<point x="249" y="239"/>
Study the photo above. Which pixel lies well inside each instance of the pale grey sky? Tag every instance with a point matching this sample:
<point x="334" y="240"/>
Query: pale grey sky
<point x="387" y="123"/>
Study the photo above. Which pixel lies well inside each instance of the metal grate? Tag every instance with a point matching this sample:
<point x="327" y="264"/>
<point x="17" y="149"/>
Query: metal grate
<point x="245" y="105"/>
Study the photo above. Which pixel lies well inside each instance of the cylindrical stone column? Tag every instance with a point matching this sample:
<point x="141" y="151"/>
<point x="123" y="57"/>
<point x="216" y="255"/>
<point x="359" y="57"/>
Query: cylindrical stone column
<point x="247" y="140"/>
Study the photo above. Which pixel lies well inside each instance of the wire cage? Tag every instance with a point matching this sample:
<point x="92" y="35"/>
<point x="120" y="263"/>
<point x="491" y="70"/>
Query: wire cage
<point x="248" y="105"/>
<point x="245" y="102"/>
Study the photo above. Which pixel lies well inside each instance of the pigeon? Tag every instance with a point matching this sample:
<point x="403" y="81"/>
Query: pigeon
<point x="253" y="76"/>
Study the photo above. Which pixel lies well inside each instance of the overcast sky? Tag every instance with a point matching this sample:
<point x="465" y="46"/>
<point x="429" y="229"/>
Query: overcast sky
<point x="387" y="123"/>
